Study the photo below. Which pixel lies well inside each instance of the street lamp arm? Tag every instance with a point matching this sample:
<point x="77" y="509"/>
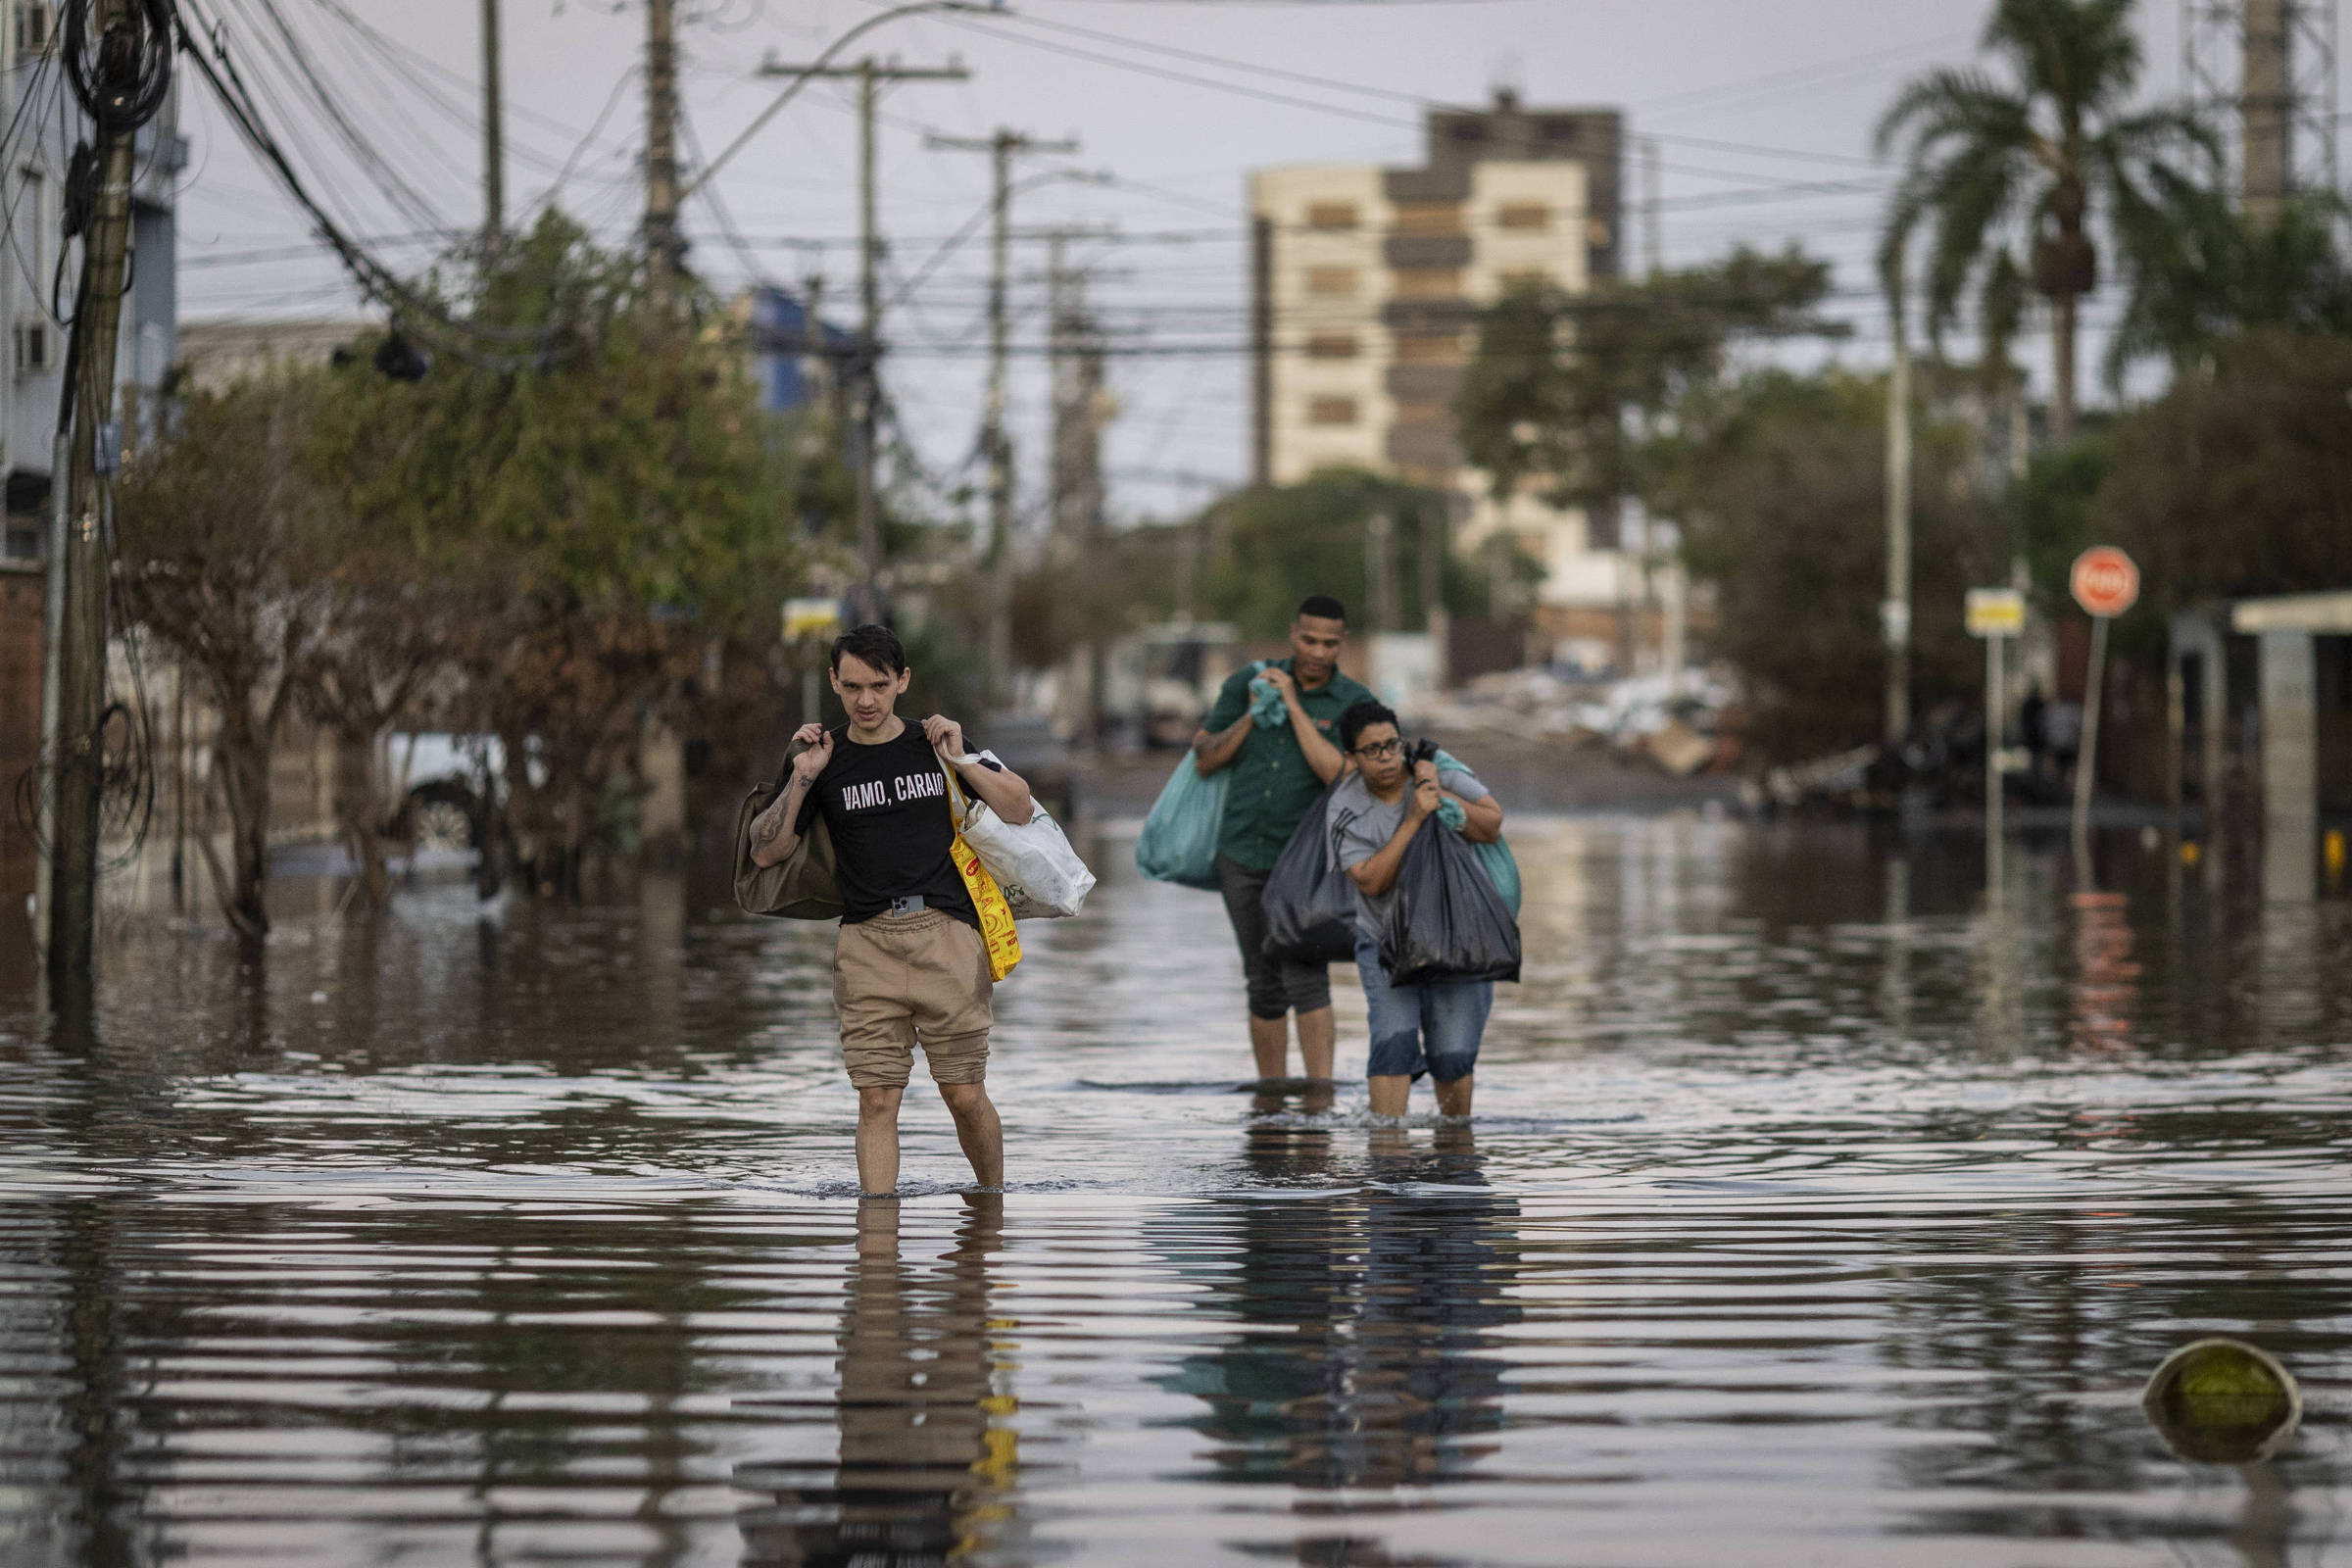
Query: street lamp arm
<point x="823" y="60"/>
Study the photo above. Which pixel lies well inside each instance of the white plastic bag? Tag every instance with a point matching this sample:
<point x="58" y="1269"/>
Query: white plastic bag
<point x="1041" y="876"/>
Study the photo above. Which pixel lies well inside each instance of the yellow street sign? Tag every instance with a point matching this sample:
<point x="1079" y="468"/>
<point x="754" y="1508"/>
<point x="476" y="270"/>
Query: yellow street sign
<point x="811" y="618"/>
<point x="1995" y="611"/>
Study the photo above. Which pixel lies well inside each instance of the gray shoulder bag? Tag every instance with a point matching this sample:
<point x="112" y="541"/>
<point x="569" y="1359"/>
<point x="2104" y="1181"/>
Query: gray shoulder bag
<point x="802" y="886"/>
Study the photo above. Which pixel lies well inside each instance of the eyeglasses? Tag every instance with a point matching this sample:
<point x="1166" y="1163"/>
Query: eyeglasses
<point x="1393" y="747"/>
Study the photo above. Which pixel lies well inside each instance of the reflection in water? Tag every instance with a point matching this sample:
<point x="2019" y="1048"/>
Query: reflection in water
<point x="2106" y="988"/>
<point x="1365" y="1356"/>
<point x="927" y="1457"/>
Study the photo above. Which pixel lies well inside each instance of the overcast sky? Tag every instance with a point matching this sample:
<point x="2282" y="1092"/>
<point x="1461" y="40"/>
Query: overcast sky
<point x="1763" y="110"/>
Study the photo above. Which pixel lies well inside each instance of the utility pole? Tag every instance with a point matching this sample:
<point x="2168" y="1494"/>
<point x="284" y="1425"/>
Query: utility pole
<point x="864" y="388"/>
<point x="665" y="246"/>
<point x="81" y="522"/>
<point x="1654" y="206"/>
<point x="1894" y="613"/>
<point x="1003" y="147"/>
<point x="493" y="153"/>
<point x="1080" y="407"/>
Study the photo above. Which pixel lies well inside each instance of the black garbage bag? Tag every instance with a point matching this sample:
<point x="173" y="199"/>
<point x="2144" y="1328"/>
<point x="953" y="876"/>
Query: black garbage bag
<point x="1447" y="922"/>
<point x="1310" y="902"/>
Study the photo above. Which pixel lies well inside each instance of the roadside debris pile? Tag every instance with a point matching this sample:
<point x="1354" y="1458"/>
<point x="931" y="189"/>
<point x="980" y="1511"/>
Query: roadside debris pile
<point x="1677" y="725"/>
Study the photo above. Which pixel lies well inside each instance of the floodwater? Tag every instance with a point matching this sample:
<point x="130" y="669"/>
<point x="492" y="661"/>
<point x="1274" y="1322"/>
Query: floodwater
<point x="1809" y="1215"/>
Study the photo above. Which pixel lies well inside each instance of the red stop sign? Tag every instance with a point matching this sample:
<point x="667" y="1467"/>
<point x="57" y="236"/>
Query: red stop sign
<point x="2105" y="582"/>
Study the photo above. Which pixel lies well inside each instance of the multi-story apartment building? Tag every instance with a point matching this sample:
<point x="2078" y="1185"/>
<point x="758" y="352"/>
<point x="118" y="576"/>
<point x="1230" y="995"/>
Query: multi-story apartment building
<point x="32" y="179"/>
<point x="1368" y="282"/>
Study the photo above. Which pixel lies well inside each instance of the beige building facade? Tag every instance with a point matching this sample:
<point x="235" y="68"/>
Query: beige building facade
<point x="1368" y="284"/>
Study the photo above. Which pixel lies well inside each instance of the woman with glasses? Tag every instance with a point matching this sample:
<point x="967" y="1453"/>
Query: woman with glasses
<point x="1435" y="1027"/>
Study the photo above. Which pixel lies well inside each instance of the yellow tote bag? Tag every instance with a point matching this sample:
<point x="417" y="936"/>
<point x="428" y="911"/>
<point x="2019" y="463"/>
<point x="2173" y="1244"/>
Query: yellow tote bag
<point x="996" y="915"/>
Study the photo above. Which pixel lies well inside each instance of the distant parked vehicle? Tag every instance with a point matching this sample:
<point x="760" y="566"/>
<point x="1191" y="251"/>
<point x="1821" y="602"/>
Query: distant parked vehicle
<point x="1161" y="680"/>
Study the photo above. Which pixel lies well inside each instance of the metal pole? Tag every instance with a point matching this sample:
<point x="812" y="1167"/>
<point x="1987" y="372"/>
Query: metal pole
<point x="2086" y="761"/>
<point x="494" y="154"/>
<point x="1993" y="794"/>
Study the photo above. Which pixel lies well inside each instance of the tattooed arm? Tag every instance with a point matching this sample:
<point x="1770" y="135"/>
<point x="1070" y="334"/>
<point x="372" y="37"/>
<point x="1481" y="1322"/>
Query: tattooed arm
<point x="776" y="831"/>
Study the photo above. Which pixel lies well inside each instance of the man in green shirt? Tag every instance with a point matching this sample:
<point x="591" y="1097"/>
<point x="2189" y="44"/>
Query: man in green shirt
<point x="1278" y="772"/>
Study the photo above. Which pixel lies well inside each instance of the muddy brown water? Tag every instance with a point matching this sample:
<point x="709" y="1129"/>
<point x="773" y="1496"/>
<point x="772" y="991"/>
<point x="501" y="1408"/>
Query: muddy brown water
<point x="1810" y="1215"/>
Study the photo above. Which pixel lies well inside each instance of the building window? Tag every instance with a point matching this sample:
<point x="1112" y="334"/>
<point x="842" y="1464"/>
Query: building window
<point x="1432" y="414"/>
<point x="1524" y="215"/>
<point x="1330" y="217"/>
<point x="1429" y="348"/>
<point x="1429" y="217"/>
<point x="33" y="205"/>
<point x="1525" y="277"/>
<point x="1331" y="346"/>
<point x="1331" y="280"/>
<point x="33" y="26"/>
<point x="1429" y="282"/>
<point x="1331" y="411"/>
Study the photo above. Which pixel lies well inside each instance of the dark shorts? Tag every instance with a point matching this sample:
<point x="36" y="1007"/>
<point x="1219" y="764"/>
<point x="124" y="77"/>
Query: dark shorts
<point x="1277" y="986"/>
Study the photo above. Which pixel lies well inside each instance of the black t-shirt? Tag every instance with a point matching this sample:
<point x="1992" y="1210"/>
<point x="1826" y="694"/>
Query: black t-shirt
<point x="886" y="807"/>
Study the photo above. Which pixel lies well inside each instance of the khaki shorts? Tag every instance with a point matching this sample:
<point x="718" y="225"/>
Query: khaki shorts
<point x="899" y="978"/>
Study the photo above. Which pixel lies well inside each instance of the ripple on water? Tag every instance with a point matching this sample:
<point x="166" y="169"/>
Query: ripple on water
<point x="1795" y="1226"/>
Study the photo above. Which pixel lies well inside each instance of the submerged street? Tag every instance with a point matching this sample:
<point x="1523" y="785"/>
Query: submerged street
<point x="1809" y="1215"/>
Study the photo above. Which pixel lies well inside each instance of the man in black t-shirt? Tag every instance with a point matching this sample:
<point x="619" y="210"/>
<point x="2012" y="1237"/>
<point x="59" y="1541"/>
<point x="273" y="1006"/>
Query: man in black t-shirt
<point x="909" y="966"/>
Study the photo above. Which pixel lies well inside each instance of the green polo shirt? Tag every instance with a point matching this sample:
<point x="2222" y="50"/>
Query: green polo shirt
<point x="1272" y="784"/>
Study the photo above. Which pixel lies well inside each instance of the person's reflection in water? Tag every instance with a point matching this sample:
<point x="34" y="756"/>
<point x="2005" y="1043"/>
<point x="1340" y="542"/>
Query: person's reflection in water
<point x="927" y="1463"/>
<point x="1365" y="1359"/>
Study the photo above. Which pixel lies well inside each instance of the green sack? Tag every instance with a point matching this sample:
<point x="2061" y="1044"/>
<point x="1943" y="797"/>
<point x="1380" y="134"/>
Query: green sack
<point x="1179" y="841"/>
<point x="800" y="887"/>
<point x="1502" y="869"/>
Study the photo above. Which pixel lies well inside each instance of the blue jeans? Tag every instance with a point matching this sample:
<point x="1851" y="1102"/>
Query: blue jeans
<point x="1431" y="1028"/>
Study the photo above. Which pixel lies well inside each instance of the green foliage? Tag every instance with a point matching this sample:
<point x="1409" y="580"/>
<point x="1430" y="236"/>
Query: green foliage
<point x="2239" y="481"/>
<point x="634" y="468"/>
<point x="608" y="515"/>
<point x="1779" y="481"/>
<point x="2051" y="513"/>
<point x="2205" y="271"/>
<point x="1282" y="543"/>
<point x="1556" y="376"/>
<point x="222" y="546"/>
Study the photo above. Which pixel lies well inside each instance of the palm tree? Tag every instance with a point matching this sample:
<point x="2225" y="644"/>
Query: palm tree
<point x="2010" y="169"/>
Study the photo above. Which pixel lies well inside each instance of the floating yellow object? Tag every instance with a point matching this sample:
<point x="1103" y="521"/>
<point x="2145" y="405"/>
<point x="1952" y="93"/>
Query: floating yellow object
<point x="2223" y="1401"/>
<point x="2191" y="853"/>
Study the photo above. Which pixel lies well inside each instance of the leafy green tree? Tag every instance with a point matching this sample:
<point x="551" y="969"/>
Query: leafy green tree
<point x="604" y="507"/>
<point x="2237" y="481"/>
<point x="1779" y="481"/>
<point x="1562" y="384"/>
<point x="1280" y="543"/>
<point x="224" y="542"/>
<point x="2011" y="172"/>
<point x="2205" y="271"/>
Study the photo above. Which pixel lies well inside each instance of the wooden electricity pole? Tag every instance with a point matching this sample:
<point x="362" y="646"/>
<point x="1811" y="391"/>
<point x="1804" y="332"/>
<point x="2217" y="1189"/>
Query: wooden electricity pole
<point x="864" y="388"/>
<point x="1005" y="145"/>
